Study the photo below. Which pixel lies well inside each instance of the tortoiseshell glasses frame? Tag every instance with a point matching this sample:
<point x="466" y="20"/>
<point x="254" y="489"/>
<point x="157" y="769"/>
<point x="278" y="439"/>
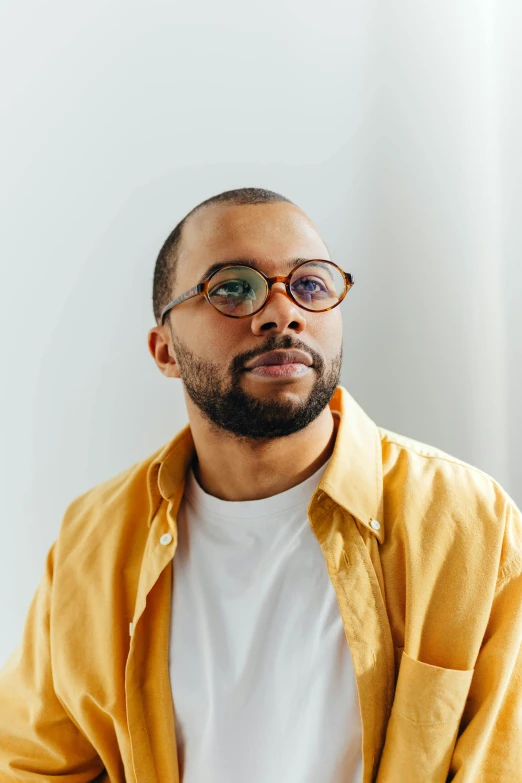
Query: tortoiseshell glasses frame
<point x="202" y="288"/>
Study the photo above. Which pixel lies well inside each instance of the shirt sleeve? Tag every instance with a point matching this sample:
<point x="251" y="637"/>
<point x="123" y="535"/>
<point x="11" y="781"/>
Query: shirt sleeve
<point x="38" y="739"/>
<point x="489" y="745"/>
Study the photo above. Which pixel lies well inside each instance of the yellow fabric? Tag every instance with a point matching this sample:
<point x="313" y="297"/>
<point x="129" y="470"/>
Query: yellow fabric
<point x="431" y="602"/>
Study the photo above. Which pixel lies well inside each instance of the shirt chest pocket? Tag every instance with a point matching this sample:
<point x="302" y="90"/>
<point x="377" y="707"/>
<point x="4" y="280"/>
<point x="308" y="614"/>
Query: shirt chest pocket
<point x="424" y="721"/>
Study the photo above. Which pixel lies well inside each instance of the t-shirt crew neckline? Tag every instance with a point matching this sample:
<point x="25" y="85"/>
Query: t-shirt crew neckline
<point x="299" y="495"/>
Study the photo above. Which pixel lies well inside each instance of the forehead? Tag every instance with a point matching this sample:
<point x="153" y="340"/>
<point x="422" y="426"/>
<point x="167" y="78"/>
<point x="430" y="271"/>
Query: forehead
<point x="268" y="233"/>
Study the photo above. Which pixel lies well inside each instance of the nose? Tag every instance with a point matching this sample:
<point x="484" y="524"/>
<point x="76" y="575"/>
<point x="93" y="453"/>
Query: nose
<point x="279" y="312"/>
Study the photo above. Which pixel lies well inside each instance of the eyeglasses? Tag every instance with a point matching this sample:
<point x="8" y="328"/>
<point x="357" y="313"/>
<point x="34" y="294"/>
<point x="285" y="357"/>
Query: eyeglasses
<point x="238" y="291"/>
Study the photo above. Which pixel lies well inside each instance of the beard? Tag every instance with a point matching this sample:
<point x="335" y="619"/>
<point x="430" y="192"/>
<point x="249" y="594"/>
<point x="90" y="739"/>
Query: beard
<point x="232" y="410"/>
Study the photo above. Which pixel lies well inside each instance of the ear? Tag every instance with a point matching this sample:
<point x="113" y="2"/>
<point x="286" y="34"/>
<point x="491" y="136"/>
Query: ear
<point x="161" y="350"/>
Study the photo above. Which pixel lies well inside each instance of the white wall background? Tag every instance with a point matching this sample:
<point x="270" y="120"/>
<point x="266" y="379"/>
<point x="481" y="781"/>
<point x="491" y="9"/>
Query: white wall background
<point x="396" y="126"/>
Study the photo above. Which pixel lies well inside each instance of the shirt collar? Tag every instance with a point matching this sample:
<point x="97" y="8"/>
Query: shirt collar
<point x="353" y="478"/>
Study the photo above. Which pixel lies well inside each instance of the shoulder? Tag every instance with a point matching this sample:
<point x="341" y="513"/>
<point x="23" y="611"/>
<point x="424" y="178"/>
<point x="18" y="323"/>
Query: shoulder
<point x="436" y="495"/>
<point x="103" y="513"/>
<point x="431" y="468"/>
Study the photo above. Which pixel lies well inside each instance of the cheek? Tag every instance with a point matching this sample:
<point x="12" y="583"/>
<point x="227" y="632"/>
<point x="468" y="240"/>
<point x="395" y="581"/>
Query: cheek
<point x="329" y="332"/>
<point x="216" y="339"/>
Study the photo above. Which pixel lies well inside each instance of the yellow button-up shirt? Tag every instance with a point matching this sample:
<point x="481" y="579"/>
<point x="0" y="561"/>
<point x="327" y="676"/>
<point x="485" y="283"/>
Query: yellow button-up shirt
<point x="423" y="550"/>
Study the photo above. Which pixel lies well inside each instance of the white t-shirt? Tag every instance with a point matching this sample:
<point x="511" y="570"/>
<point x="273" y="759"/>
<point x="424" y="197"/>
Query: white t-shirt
<point x="260" y="669"/>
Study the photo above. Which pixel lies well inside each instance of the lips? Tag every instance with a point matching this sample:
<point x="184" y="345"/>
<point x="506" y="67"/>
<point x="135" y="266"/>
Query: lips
<point x="281" y="357"/>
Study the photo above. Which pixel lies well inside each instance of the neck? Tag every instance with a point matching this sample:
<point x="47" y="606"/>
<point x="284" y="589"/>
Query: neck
<point x="236" y="472"/>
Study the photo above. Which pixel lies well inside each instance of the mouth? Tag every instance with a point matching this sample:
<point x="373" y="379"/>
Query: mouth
<point x="287" y="370"/>
<point x="281" y="357"/>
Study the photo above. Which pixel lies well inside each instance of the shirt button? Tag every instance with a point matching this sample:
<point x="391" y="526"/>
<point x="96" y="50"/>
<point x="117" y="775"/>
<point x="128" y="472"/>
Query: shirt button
<point x="376" y="525"/>
<point x="165" y="539"/>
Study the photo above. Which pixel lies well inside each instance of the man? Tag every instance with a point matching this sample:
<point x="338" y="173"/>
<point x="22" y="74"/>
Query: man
<point x="285" y="591"/>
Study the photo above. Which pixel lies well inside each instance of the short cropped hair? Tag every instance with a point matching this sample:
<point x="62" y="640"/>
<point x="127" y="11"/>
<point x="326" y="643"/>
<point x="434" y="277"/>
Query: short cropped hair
<point x="167" y="260"/>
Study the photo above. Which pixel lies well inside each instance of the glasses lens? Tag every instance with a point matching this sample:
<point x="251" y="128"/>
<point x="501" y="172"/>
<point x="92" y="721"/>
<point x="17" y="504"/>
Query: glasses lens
<point x="317" y="285"/>
<point x="240" y="290"/>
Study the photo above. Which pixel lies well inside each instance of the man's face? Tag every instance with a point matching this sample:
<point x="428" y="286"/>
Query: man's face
<point x="211" y="349"/>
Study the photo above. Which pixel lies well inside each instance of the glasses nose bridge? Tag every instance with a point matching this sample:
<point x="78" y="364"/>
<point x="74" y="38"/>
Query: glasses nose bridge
<point x="279" y="279"/>
<point x="285" y="279"/>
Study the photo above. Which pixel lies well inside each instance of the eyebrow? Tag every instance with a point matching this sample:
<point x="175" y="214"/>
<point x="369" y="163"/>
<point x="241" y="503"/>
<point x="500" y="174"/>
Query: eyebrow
<point x="247" y="262"/>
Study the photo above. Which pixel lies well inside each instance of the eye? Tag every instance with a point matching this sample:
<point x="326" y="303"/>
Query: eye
<point x="231" y="288"/>
<point x="309" y="280"/>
